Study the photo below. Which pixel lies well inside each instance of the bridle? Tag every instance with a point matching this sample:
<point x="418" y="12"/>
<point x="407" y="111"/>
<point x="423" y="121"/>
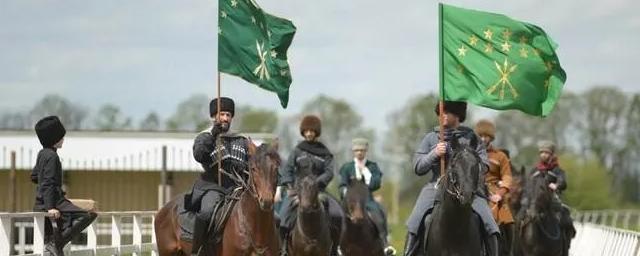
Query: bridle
<point x="450" y="182"/>
<point x="347" y="200"/>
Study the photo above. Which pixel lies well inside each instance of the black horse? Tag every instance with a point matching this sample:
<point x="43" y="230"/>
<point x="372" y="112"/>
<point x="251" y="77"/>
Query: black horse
<point x="455" y="229"/>
<point x="539" y="231"/>
<point x="315" y="232"/>
<point x="360" y="236"/>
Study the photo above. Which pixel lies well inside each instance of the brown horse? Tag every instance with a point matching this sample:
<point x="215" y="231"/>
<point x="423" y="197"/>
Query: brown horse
<point x="361" y="236"/>
<point x="250" y="229"/>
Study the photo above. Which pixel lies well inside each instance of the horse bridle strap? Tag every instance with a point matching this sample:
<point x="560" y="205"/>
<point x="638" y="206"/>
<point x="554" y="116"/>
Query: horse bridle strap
<point x="239" y="180"/>
<point x="455" y="193"/>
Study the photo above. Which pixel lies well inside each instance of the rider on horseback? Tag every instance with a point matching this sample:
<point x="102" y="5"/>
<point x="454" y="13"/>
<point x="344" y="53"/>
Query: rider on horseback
<point x="548" y="163"/>
<point x="427" y="159"/>
<point x="232" y="151"/>
<point x="363" y="169"/>
<point x="498" y="180"/>
<point x="322" y="161"/>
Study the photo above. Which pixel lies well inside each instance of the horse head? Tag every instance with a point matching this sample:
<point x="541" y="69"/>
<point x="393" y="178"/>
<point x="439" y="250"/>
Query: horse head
<point x="264" y="162"/>
<point x="306" y="186"/>
<point x="462" y="174"/>
<point x="355" y="200"/>
<point x="538" y="191"/>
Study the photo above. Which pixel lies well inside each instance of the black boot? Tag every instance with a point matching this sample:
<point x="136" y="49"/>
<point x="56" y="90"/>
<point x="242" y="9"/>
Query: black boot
<point x="411" y="245"/>
<point x="199" y="235"/>
<point x="53" y="241"/>
<point x="51" y="246"/>
<point x="284" y="238"/>
<point x="79" y="224"/>
<point x="51" y="249"/>
<point x="492" y="245"/>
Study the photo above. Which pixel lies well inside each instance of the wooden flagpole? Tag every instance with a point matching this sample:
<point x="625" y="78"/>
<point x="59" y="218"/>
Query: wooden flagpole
<point x="218" y="138"/>
<point x="441" y="103"/>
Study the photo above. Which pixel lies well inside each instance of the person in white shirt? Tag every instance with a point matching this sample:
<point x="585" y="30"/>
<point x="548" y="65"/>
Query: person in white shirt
<point x="368" y="171"/>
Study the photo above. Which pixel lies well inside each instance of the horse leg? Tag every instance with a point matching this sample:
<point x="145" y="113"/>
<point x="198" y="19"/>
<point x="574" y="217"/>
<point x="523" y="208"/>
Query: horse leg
<point x="337" y="223"/>
<point x="506" y="239"/>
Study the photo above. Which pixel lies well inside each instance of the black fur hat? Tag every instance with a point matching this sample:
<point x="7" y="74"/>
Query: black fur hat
<point x="226" y="104"/>
<point x="458" y="108"/>
<point x="50" y="130"/>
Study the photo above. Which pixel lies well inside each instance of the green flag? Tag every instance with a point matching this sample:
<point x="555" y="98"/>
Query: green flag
<point x="494" y="61"/>
<point x="252" y="44"/>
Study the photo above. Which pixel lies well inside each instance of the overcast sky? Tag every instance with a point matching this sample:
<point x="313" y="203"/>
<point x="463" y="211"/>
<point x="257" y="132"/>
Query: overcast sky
<point x="148" y="55"/>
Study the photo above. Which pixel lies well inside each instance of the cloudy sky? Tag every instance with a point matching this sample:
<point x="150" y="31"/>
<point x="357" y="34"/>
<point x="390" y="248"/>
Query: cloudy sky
<point x="148" y="55"/>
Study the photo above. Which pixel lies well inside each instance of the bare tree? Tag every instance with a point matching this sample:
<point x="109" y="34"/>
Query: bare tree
<point x="71" y="115"/>
<point x="110" y="118"/>
<point x="14" y="121"/>
<point x="150" y="123"/>
<point x="192" y="114"/>
<point x="407" y="127"/>
<point x="251" y="119"/>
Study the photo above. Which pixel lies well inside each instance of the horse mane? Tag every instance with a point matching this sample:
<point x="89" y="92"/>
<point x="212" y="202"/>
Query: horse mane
<point x="266" y="151"/>
<point x="460" y="179"/>
<point x="536" y="186"/>
<point x="258" y="155"/>
<point x="305" y="168"/>
<point x="459" y="148"/>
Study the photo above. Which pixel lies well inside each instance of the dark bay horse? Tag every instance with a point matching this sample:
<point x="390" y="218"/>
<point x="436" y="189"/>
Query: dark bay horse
<point x="518" y="182"/>
<point x="514" y="200"/>
<point x="361" y="236"/>
<point x="540" y="232"/>
<point x="455" y="229"/>
<point x="311" y="234"/>
<point x="250" y="229"/>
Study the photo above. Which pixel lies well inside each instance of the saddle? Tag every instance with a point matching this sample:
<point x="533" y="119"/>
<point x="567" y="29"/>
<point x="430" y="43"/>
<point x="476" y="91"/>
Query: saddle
<point x="221" y="213"/>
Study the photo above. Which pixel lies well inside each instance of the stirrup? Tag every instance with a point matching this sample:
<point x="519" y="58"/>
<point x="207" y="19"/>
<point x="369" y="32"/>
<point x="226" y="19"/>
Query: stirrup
<point x="390" y="251"/>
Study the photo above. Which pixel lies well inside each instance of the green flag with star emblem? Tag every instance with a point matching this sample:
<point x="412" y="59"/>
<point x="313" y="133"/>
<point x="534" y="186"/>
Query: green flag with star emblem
<point x="252" y="44"/>
<point x="494" y="61"/>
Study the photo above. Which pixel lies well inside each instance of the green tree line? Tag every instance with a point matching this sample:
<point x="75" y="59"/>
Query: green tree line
<point x="597" y="131"/>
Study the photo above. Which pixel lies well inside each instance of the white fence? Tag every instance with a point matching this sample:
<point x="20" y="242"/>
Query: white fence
<point x="625" y="219"/>
<point x="592" y="239"/>
<point x="141" y="224"/>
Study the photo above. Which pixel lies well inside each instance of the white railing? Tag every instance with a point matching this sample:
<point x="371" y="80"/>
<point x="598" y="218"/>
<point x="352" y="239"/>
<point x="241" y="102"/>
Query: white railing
<point x="592" y="239"/>
<point x="625" y="219"/>
<point x="141" y="225"/>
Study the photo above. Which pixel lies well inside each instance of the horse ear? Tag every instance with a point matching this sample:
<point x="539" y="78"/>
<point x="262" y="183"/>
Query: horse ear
<point x="474" y="142"/>
<point x="252" y="147"/>
<point x="275" y="144"/>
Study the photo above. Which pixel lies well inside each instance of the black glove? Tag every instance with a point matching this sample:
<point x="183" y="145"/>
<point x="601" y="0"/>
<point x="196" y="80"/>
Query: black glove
<point x="216" y="129"/>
